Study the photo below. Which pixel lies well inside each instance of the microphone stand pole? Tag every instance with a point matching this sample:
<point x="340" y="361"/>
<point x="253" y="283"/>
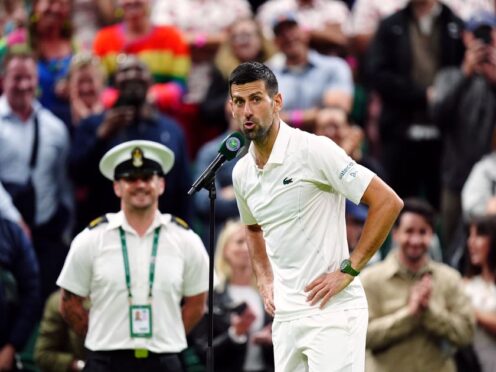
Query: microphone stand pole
<point x="212" y="194"/>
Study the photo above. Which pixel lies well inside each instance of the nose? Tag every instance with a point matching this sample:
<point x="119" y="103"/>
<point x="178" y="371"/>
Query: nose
<point x="247" y="110"/>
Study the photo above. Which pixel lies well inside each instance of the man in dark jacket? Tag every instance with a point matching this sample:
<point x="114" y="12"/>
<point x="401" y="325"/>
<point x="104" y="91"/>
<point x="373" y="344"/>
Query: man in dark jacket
<point x="131" y="118"/>
<point x="410" y="47"/>
<point x="464" y="106"/>
<point x="19" y="292"/>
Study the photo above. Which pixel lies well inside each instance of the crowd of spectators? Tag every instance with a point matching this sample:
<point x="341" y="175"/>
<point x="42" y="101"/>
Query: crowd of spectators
<point x="405" y="87"/>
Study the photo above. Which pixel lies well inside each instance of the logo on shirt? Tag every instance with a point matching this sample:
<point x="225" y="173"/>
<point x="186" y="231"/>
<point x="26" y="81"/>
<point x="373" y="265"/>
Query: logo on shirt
<point x="349" y="173"/>
<point x="287" y="181"/>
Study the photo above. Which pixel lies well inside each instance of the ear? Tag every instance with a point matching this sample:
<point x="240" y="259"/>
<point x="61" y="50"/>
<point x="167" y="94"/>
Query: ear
<point x="231" y="104"/>
<point x="161" y="186"/>
<point x="277" y="102"/>
<point x="117" y="189"/>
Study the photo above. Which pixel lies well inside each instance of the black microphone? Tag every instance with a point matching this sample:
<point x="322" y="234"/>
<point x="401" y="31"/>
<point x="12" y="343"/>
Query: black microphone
<point x="228" y="150"/>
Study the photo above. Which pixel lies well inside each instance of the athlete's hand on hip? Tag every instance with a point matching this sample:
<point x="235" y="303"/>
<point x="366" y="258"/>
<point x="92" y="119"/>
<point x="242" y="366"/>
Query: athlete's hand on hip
<point x="267" y="293"/>
<point x="326" y="286"/>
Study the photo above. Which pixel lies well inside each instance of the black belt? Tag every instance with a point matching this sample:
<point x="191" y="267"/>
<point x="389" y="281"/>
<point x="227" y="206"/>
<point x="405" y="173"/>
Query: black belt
<point x="131" y="354"/>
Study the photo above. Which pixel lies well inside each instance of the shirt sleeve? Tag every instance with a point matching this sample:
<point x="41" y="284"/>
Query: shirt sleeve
<point x="7" y="208"/>
<point x="78" y="268"/>
<point x="244" y="211"/>
<point x="332" y="166"/>
<point x="196" y="270"/>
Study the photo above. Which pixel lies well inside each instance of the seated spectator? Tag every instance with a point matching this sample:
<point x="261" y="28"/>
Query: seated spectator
<point x="85" y="85"/>
<point x="308" y="80"/>
<point x="323" y="20"/>
<point x="355" y="219"/>
<point x="58" y="348"/>
<point x="418" y="312"/>
<point x="50" y="37"/>
<point x="20" y="293"/>
<point x="130" y="118"/>
<point x="13" y="21"/>
<point x="480" y="287"/>
<point x="242" y="330"/>
<point x="244" y="43"/>
<point x="163" y="49"/>
<point x="333" y="123"/>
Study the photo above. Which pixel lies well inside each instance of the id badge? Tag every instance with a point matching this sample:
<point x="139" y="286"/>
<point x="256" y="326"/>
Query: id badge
<point x="140" y="320"/>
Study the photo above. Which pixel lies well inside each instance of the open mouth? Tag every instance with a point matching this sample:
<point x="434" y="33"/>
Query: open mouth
<point x="248" y="125"/>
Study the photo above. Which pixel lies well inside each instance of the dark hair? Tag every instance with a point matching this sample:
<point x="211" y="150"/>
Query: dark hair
<point x="420" y="207"/>
<point x="486" y="226"/>
<point x="248" y="72"/>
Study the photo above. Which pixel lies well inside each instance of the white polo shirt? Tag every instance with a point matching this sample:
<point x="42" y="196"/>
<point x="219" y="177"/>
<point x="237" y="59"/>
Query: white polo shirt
<point x="95" y="267"/>
<point x="298" y="199"/>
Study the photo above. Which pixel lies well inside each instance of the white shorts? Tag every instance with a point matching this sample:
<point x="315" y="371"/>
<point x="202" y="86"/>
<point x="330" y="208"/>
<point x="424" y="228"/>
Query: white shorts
<point x="327" y="342"/>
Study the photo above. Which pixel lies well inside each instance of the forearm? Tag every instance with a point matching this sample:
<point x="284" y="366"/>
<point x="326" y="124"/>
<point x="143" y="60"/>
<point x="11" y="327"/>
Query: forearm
<point x="192" y="311"/>
<point x="486" y="320"/>
<point x="74" y="313"/>
<point x="384" y="207"/>
<point x="260" y="260"/>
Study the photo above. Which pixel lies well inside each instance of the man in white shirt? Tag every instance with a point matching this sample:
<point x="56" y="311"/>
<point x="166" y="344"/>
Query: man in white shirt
<point x="291" y="189"/>
<point x="136" y="266"/>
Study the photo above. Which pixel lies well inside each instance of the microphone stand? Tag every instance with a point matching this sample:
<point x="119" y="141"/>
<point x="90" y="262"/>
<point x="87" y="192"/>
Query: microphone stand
<point x="212" y="194"/>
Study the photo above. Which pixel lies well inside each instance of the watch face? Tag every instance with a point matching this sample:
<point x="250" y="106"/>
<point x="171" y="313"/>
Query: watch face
<point x="344" y="264"/>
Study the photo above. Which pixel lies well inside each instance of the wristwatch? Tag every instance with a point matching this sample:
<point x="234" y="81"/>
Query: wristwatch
<point x="346" y="268"/>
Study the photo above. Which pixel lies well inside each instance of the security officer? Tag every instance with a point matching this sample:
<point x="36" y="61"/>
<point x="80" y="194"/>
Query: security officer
<point x="136" y="266"/>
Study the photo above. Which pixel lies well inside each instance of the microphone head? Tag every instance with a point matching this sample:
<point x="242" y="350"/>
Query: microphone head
<point x="231" y="145"/>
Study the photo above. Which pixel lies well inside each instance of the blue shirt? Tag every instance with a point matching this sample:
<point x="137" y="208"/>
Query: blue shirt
<point x="305" y="87"/>
<point x="50" y="174"/>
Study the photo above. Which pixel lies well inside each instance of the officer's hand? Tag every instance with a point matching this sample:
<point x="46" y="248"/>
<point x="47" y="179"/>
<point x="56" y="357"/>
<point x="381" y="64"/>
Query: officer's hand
<point x="326" y="286"/>
<point x="115" y="119"/>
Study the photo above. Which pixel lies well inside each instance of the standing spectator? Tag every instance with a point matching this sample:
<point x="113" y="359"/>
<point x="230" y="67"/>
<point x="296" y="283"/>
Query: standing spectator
<point x="480" y="279"/>
<point x="323" y="20"/>
<point x="242" y="335"/>
<point x="163" y="49"/>
<point x="245" y="42"/>
<point x="418" y="312"/>
<point x="50" y="37"/>
<point x="85" y="85"/>
<point x="410" y="47"/>
<point x="464" y="106"/>
<point x="139" y="318"/>
<point x="19" y="293"/>
<point x="131" y="118"/>
<point x="58" y="348"/>
<point x="34" y="188"/>
<point x="308" y="80"/>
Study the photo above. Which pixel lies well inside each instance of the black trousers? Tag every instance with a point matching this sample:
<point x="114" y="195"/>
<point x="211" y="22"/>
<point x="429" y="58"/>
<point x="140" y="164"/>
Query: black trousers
<point x="125" y="361"/>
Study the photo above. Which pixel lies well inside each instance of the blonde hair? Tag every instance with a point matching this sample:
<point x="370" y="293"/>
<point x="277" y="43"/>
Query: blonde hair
<point x="222" y="267"/>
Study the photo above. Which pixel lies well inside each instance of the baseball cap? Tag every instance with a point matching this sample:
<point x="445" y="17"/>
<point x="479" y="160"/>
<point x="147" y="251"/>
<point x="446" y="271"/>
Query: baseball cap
<point x="481" y="18"/>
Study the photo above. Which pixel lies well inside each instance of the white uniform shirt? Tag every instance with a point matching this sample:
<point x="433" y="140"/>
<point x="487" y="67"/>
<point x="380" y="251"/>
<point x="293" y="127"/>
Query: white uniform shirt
<point x="298" y="199"/>
<point x="95" y="267"/>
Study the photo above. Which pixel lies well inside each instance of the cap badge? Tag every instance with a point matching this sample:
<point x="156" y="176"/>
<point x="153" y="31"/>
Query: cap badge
<point x="137" y="156"/>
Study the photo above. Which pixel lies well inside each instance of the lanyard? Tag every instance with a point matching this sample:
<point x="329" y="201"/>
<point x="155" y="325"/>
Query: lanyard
<point x="151" y="275"/>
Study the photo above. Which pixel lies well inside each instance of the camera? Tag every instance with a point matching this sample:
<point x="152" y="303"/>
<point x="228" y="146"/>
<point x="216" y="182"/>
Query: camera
<point x="484" y="33"/>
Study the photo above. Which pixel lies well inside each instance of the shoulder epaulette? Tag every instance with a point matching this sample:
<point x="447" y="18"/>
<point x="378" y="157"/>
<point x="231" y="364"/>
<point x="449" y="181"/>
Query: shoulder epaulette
<point x="97" y="222"/>
<point x="180" y="222"/>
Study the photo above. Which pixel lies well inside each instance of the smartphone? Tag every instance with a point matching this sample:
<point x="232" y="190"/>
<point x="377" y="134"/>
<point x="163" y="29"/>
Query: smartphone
<point x="238" y="308"/>
<point x="484" y="33"/>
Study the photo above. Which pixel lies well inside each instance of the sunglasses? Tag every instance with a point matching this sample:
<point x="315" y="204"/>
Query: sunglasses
<point x="135" y="176"/>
